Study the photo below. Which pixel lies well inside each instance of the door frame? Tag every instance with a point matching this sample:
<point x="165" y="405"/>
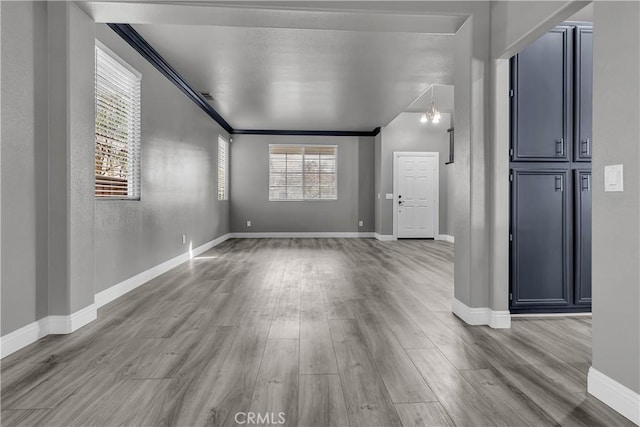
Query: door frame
<point x="436" y="216"/>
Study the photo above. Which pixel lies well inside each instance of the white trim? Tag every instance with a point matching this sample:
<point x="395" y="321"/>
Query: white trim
<point x="500" y="319"/>
<point x="436" y="210"/>
<point x="525" y="315"/>
<point x="619" y="397"/>
<point x="116" y="291"/>
<point x="497" y="319"/>
<point x="385" y="237"/>
<point x="445" y="237"/>
<point x="20" y="338"/>
<point x="73" y="322"/>
<point x="14" y="341"/>
<point x="57" y="324"/>
<point x="303" y="235"/>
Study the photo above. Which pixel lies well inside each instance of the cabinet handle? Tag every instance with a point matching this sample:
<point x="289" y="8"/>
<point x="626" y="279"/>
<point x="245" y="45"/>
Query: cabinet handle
<point x="559" y="183"/>
<point x="586" y="183"/>
<point x="586" y="143"/>
<point x="560" y="147"/>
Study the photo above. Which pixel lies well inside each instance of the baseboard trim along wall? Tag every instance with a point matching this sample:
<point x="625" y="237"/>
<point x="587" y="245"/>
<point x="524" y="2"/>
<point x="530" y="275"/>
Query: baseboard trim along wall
<point x="619" y="397"/>
<point x="496" y="319"/>
<point x="445" y="237"/>
<point x="116" y="291"/>
<point x="301" y="235"/>
<point x="14" y="341"/>
<point x="385" y="237"/>
<point x="73" y="322"/>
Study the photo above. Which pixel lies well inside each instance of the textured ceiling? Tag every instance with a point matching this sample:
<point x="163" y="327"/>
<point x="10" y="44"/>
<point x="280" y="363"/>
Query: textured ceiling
<point x="291" y="78"/>
<point x="321" y="65"/>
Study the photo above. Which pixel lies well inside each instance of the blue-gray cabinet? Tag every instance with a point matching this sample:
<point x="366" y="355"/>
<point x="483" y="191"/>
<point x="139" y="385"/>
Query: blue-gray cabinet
<point x="540" y="245"/>
<point x="541" y="91"/>
<point x="551" y="146"/>
<point x="582" y="226"/>
<point x="583" y="89"/>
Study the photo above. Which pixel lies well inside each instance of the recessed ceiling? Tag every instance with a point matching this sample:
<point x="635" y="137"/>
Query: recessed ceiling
<point x="290" y="78"/>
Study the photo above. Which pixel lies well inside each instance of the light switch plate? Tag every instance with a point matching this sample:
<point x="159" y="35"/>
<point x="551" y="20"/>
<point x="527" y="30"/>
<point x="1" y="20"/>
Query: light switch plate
<point x="613" y="178"/>
<point x="388" y="196"/>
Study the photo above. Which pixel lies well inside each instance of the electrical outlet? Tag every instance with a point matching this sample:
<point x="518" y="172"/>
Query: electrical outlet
<point x="248" y="223"/>
<point x="360" y="223"/>
<point x="184" y="239"/>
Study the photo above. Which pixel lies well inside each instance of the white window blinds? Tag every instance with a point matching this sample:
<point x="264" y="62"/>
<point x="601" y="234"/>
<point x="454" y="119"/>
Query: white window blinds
<point x="117" y="150"/>
<point x="223" y="159"/>
<point x="303" y="172"/>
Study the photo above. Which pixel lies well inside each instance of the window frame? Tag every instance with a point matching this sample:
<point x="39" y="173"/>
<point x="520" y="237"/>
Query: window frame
<point x="335" y="146"/>
<point x="137" y="172"/>
<point x="225" y="196"/>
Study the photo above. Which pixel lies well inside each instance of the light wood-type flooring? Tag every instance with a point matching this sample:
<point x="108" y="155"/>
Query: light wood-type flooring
<point x="328" y="332"/>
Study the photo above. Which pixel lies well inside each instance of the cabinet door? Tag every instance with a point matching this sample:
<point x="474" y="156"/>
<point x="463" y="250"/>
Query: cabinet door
<point x="583" y="97"/>
<point x="582" y="224"/>
<point x="539" y="251"/>
<point x="540" y="102"/>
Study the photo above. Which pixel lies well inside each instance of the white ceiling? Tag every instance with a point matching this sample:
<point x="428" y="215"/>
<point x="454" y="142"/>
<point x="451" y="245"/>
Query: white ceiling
<point x="282" y="78"/>
<point x="300" y="65"/>
<point x="443" y="96"/>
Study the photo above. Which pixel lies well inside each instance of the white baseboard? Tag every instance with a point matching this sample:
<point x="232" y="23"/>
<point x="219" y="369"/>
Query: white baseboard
<point x="116" y="291"/>
<point x="32" y="332"/>
<point x="482" y="315"/>
<point x="385" y="237"/>
<point x="73" y="322"/>
<point x="445" y="237"/>
<point x="301" y="235"/>
<point x="14" y="341"/>
<point x="619" y="397"/>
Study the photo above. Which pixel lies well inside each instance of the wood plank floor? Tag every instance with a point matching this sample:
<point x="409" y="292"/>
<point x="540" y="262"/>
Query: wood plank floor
<point x="312" y="332"/>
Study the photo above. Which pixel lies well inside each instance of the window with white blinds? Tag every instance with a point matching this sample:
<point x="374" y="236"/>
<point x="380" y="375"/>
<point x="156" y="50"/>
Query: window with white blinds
<point x="117" y="150"/>
<point x="223" y="160"/>
<point x="303" y="172"/>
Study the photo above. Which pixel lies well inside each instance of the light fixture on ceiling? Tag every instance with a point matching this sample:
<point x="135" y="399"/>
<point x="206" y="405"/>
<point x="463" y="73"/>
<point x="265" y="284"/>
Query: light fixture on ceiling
<point x="432" y="113"/>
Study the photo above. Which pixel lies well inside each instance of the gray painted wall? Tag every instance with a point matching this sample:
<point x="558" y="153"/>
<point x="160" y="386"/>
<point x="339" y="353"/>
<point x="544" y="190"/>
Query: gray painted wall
<point x="471" y="80"/>
<point x="406" y="133"/>
<point x="178" y="187"/>
<point x="71" y="62"/>
<point x="250" y="197"/>
<point x="24" y="148"/>
<point x="48" y="208"/>
<point x="616" y="216"/>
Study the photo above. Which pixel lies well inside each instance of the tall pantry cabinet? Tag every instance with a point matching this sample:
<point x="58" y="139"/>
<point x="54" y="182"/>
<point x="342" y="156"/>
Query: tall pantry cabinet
<point x="551" y="146"/>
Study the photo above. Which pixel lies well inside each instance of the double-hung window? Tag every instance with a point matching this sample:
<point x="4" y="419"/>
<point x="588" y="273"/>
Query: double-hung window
<point x="223" y="173"/>
<point x="303" y="172"/>
<point x="117" y="145"/>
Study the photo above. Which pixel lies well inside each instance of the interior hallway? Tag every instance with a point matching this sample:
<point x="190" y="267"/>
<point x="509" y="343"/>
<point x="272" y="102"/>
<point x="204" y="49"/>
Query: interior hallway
<point x="328" y="331"/>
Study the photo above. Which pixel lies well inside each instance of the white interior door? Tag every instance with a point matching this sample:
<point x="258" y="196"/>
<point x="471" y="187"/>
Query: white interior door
<point x="416" y="194"/>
